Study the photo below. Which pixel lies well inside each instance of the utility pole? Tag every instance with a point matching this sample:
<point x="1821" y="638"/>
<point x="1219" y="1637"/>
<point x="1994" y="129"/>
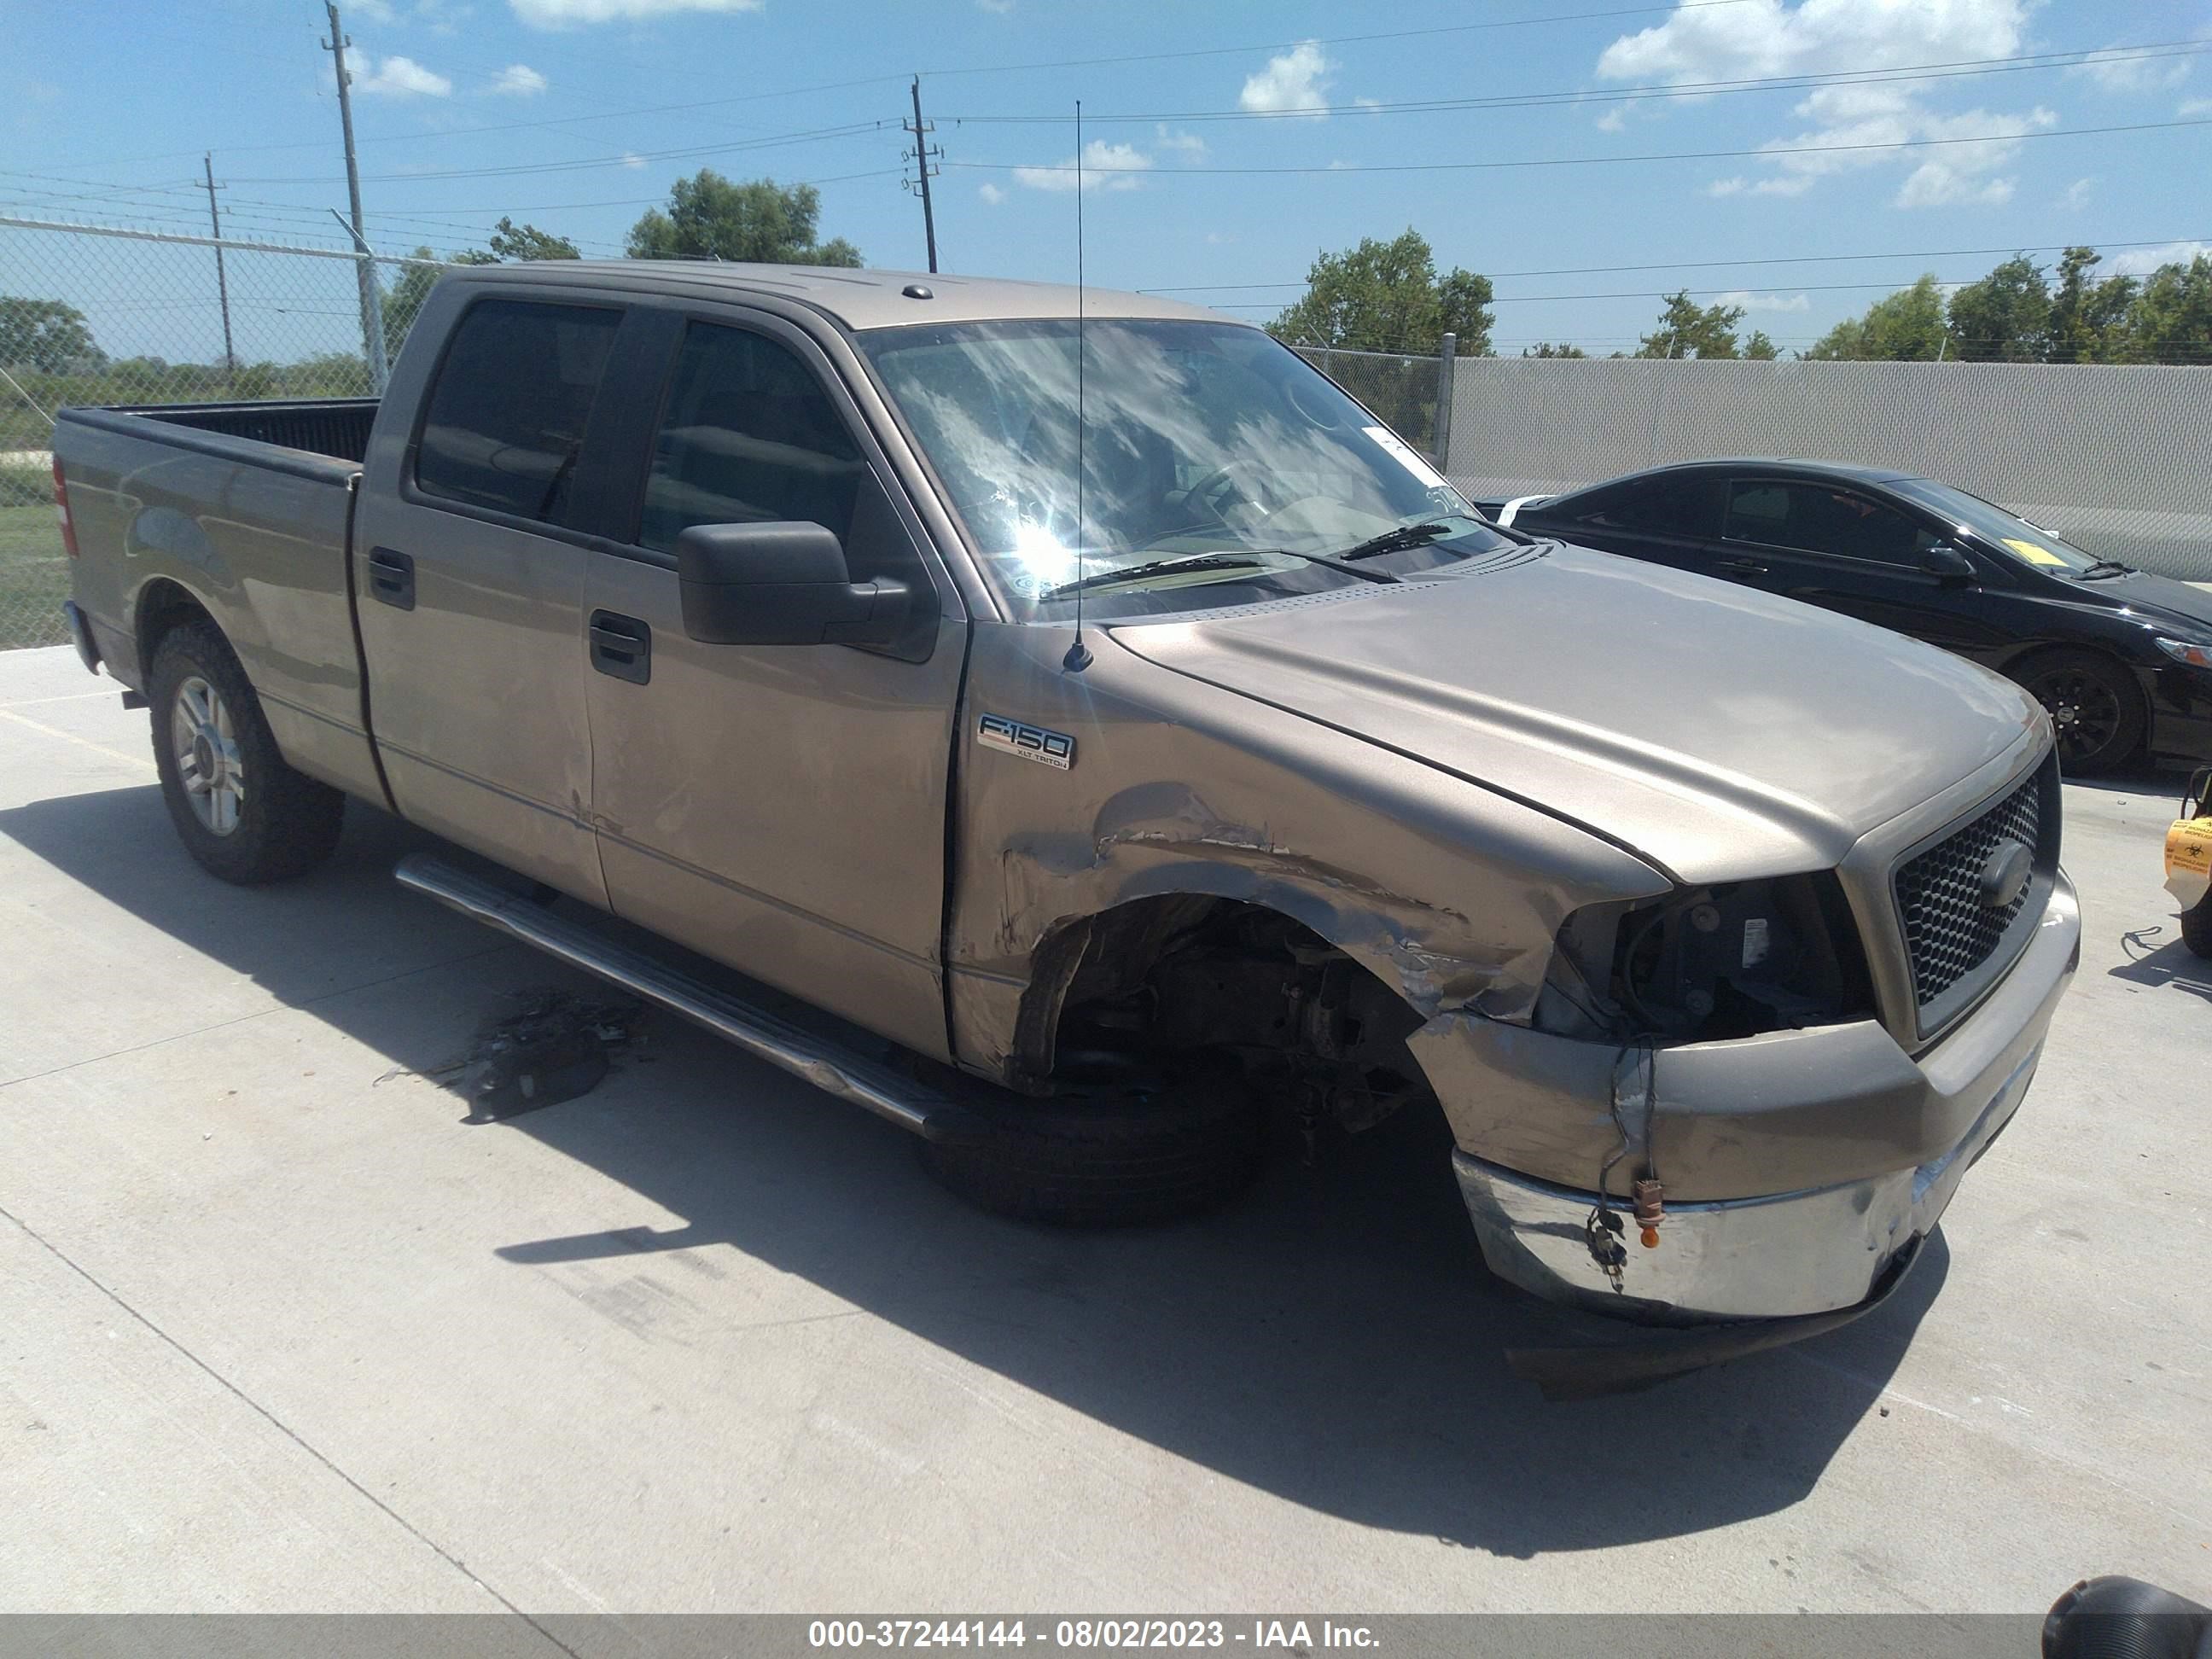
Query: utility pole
<point x="222" y="281"/>
<point x="922" y="154"/>
<point x="372" y="318"/>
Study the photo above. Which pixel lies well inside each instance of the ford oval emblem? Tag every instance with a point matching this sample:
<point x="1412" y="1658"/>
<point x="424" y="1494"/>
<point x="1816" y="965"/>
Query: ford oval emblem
<point x="2004" y="873"/>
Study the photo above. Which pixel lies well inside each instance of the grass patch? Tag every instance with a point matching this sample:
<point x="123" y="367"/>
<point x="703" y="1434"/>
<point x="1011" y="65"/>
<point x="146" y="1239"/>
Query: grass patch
<point x="34" y="577"/>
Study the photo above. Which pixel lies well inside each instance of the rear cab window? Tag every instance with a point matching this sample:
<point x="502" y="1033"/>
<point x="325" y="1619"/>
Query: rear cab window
<point x="503" y="425"/>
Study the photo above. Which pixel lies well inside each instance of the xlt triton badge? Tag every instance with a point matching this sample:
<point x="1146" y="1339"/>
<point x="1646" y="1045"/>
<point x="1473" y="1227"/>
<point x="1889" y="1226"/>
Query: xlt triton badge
<point x="1029" y="742"/>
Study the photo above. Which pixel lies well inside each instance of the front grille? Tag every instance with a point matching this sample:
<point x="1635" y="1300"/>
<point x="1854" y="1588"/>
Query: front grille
<point x="1949" y="933"/>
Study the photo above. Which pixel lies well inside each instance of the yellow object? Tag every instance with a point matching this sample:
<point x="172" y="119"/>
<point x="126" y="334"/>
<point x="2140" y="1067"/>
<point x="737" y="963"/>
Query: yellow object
<point x="2032" y="553"/>
<point x="2189" y="860"/>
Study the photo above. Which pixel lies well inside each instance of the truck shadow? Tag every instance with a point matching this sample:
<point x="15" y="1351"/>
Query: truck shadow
<point x="1334" y="1340"/>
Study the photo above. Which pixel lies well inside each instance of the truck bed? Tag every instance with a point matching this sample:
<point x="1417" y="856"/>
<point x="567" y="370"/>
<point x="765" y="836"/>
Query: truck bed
<point x="335" y="427"/>
<point x="245" y="510"/>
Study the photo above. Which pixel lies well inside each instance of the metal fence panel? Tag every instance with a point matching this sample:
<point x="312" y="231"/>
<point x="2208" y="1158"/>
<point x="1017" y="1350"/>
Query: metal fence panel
<point x="2117" y="456"/>
<point x="148" y="319"/>
<point x="1403" y="391"/>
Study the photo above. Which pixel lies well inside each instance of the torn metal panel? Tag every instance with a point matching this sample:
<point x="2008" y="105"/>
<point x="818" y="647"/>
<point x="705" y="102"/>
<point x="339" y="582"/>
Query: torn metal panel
<point x="1450" y="894"/>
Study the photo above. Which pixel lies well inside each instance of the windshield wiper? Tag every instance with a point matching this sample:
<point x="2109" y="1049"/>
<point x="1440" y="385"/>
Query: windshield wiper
<point x="1254" y="560"/>
<point x="1398" y="540"/>
<point x="2104" y="568"/>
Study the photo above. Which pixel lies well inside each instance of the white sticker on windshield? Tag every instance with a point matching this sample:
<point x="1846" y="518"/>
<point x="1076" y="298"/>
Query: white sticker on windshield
<point x="1407" y="456"/>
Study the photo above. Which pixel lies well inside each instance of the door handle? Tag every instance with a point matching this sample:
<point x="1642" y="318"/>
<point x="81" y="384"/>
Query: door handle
<point x="391" y="578"/>
<point x="1742" y="567"/>
<point x="621" y="646"/>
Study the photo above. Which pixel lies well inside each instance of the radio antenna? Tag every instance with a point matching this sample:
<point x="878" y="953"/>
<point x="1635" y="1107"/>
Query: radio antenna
<point x="1078" y="654"/>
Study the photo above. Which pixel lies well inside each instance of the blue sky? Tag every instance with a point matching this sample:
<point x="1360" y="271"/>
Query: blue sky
<point x="468" y="109"/>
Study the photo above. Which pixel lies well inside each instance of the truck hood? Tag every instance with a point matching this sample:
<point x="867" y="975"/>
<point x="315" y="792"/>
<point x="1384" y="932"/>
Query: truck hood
<point x="1720" y="732"/>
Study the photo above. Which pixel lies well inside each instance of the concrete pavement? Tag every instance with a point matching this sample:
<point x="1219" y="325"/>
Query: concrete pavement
<point x="279" y="1332"/>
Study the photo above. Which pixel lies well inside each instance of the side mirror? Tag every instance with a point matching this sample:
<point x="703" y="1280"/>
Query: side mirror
<point x="780" y="583"/>
<point x="1949" y="562"/>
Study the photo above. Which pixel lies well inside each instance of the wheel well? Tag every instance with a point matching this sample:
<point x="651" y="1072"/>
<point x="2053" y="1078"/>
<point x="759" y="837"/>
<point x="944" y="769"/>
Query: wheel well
<point x="163" y="607"/>
<point x="1168" y="979"/>
<point x="2021" y="667"/>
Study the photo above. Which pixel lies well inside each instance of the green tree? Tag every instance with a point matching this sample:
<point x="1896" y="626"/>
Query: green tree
<point x="1688" y="329"/>
<point x="2004" y="317"/>
<point x="1759" y="348"/>
<point x="2171" y="320"/>
<point x="758" y="222"/>
<point x="1546" y="349"/>
<point x="1385" y="296"/>
<point x="528" y="242"/>
<point x="43" y="334"/>
<point x="2089" y="320"/>
<point x="1906" y="326"/>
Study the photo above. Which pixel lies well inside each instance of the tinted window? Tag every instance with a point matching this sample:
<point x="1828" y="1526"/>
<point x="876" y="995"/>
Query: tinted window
<point x="748" y="437"/>
<point x="1822" y="519"/>
<point x="1661" y="507"/>
<point x="505" y="417"/>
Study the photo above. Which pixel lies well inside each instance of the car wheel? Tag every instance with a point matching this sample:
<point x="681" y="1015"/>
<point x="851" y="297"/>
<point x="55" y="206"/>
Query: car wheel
<point x="2197" y="926"/>
<point x="1116" y="1157"/>
<point x="242" y="812"/>
<point x="2096" y="710"/>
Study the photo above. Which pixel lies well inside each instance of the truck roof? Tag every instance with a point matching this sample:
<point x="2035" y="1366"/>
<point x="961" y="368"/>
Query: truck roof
<point x="858" y="300"/>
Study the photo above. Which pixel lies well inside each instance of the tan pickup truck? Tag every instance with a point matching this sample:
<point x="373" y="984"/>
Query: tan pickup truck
<point x="1118" y="734"/>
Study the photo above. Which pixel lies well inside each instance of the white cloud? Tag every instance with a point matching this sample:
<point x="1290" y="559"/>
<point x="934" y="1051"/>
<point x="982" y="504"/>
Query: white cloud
<point x="1751" y="301"/>
<point x="2195" y="107"/>
<point x="518" y="81"/>
<point x="2142" y="261"/>
<point x="1218" y="239"/>
<point x="632" y="160"/>
<point x="372" y="11"/>
<point x="1761" y="37"/>
<point x="574" y="14"/>
<point x="1179" y="143"/>
<point x="1106" y="166"/>
<point x="2076" y="194"/>
<point x="1293" y="83"/>
<point x="400" y="77"/>
<point x="1613" y="119"/>
<point x="2115" y="70"/>
<point x="1001" y="7"/>
<point x="992" y="194"/>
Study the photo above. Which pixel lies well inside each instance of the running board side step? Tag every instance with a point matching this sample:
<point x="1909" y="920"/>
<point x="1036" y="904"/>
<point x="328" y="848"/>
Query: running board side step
<point x="910" y="1104"/>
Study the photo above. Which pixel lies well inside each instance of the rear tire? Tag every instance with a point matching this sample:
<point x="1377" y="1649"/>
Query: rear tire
<point x="2095" y="707"/>
<point x="243" y="813"/>
<point x="1114" y="1157"/>
<point x="2197" y="926"/>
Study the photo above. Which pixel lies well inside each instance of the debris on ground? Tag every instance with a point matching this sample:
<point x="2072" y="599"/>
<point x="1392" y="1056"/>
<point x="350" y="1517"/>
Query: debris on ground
<point x="555" y="1046"/>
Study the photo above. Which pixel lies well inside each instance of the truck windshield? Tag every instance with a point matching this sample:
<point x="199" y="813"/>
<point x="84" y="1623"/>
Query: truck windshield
<point x="1212" y="458"/>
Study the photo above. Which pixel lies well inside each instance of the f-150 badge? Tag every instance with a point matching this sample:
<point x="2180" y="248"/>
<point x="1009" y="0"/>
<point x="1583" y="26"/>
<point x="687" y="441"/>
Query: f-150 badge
<point x="1029" y="741"/>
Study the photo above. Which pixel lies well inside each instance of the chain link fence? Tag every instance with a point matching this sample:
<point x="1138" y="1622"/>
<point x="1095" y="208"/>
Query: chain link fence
<point x="1408" y="393"/>
<point x="98" y="315"/>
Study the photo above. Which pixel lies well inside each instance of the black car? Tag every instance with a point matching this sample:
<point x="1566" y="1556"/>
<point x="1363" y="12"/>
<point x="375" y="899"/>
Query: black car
<point x="2122" y="659"/>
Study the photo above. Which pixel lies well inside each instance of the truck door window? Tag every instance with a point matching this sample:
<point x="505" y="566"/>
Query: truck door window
<point x="748" y="435"/>
<point x="1822" y="519"/>
<point x="504" y="423"/>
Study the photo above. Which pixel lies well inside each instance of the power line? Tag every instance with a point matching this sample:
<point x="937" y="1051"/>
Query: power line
<point x="1594" y="160"/>
<point x="1699" y="264"/>
<point x="981" y="68"/>
<point x="626" y="159"/>
<point x="1954" y="68"/>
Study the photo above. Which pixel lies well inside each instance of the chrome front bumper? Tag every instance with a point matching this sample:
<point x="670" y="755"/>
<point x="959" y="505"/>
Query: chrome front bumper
<point x="1813" y="1250"/>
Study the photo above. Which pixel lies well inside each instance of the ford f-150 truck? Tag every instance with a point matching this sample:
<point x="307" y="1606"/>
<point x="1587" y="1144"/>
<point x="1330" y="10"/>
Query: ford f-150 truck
<point x="1122" y="734"/>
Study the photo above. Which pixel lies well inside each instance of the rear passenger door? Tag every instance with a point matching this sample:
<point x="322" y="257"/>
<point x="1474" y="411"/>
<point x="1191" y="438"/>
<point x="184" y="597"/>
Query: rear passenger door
<point x="1840" y="548"/>
<point x="469" y="573"/>
<point x="780" y="808"/>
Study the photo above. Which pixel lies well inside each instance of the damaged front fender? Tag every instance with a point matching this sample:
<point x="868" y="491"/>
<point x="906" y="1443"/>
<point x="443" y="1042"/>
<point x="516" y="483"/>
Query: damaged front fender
<point x="1449" y="894"/>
